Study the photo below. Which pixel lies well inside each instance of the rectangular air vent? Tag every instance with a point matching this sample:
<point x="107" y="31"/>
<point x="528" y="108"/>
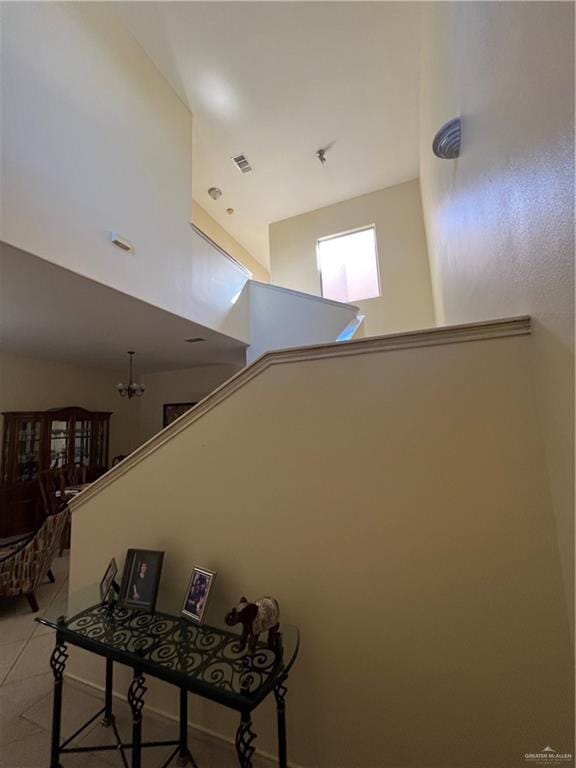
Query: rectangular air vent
<point x="242" y="163"/>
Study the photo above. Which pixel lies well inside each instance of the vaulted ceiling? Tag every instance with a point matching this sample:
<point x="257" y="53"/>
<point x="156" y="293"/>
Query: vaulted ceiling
<point x="279" y="80"/>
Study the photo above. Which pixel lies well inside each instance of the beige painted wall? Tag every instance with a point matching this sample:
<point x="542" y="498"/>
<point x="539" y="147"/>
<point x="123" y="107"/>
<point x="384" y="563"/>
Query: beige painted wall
<point x="216" y="232"/>
<point x="33" y="384"/>
<point x="407" y="529"/>
<point x="500" y="219"/>
<point x="93" y="139"/>
<point x="182" y="386"/>
<point x="396" y="212"/>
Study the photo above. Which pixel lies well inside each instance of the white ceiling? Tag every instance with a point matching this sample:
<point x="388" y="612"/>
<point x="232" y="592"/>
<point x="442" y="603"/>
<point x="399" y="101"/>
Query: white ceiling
<point x="51" y="313"/>
<point x="277" y="81"/>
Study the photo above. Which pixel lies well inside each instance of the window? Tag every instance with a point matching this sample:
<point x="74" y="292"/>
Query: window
<point x="348" y="265"/>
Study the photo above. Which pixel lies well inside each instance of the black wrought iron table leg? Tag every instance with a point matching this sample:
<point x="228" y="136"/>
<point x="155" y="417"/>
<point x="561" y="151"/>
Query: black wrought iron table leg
<point x="58" y="664"/>
<point x="184" y="754"/>
<point x="244" y="738"/>
<point x="280" y="691"/>
<point x="108" y="718"/>
<point x="136" y="701"/>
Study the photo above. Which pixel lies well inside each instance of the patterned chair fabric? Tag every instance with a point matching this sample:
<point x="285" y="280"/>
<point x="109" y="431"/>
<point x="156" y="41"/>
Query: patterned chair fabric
<point x="25" y="565"/>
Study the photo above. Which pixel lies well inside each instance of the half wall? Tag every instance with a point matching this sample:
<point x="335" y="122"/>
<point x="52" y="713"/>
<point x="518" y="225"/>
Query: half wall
<point x="400" y="513"/>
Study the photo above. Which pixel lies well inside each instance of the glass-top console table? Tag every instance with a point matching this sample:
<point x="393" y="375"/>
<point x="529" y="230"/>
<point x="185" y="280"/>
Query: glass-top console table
<point x="204" y="659"/>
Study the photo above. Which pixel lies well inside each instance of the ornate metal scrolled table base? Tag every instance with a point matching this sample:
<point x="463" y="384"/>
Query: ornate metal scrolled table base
<point x="280" y="691"/>
<point x="136" y="692"/>
<point x="58" y="665"/>
<point x="202" y="660"/>
<point x="244" y="738"/>
<point x="136" y="701"/>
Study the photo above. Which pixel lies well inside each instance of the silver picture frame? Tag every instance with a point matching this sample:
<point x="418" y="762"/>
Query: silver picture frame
<point x="198" y="594"/>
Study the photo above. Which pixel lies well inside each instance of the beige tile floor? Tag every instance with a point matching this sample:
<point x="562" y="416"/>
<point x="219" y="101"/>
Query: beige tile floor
<point x="26" y="700"/>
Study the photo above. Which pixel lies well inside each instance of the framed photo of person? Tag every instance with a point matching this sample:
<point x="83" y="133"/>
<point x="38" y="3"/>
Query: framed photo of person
<point x="173" y="411"/>
<point x="141" y="578"/>
<point x="197" y="594"/>
<point x="108" y="580"/>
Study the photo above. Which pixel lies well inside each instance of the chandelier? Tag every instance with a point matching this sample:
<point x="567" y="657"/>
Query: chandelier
<point x="132" y="389"/>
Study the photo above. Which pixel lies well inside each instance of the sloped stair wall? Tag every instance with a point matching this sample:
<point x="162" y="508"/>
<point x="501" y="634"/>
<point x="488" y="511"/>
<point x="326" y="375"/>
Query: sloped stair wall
<point x="391" y="493"/>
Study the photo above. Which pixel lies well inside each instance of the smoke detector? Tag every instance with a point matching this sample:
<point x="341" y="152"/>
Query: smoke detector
<point x="242" y="163"/>
<point x="215" y="193"/>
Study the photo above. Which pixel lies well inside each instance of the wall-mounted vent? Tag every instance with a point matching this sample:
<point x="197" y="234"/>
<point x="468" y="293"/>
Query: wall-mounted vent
<point x="242" y="163"/>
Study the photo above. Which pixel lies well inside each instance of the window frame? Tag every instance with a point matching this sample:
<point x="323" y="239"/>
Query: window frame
<point x="343" y="234"/>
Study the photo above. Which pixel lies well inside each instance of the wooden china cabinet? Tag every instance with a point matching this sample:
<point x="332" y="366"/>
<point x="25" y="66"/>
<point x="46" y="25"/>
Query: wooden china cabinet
<point x="34" y="441"/>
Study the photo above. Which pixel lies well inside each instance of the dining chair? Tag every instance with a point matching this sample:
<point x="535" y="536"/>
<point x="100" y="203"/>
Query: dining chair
<point x="53" y="491"/>
<point x="25" y="564"/>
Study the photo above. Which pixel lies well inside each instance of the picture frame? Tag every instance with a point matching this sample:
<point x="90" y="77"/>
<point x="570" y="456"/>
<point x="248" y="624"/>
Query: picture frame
<point x="108" y="580"/>
<point x="173" y="411"/>
<point x="197" y="594"/>
<point x="141" y="578"/>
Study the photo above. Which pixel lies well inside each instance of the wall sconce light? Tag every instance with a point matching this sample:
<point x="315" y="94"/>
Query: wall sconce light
<point x="121" y="242"/>
<point x="446" y="144"/>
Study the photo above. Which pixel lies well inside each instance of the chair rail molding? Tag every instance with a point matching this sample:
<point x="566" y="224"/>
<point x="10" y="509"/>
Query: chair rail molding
<point x="449" y="334"/>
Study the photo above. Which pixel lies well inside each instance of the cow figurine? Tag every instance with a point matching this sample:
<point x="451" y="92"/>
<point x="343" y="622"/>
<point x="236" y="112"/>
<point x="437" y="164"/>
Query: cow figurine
<point x="261" y="616"/>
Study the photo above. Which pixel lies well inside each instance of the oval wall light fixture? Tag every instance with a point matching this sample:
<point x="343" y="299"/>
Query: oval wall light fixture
<point x="446" y="144"/>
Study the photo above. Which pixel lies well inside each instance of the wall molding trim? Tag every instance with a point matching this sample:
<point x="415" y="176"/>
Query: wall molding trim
<point x="449" y="334"/>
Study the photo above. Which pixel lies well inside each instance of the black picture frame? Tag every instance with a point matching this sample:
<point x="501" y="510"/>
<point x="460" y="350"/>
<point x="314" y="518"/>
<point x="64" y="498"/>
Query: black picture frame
<point x="194" y="605"/>
<point x="108" y="580"/>
<point x="140" y="587"/>
<point x="173" y="411"/>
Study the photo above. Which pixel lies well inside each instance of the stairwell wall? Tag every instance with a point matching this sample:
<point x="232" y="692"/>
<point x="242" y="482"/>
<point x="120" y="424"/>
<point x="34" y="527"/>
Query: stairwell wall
<point x="280" y="319"/>
<point x="500" y="218"/>
<point x="396" y="212"/>
<point x="396" y="503"/>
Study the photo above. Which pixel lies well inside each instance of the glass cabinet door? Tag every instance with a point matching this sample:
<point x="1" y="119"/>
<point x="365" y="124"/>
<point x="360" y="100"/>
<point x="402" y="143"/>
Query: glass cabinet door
<point x="59" y="437"/>
<point x="82" y="442"/>
<point x="37" y="441"/>
<point x="101" y="444"/>
<point x="27" y="450"/>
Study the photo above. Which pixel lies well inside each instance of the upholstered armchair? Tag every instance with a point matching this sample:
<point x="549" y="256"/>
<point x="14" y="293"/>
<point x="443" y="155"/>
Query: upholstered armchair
<point x="24" y="565"/>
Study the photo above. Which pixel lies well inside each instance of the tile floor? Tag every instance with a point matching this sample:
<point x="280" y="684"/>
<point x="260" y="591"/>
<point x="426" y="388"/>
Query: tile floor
<point x="26" y="700"/>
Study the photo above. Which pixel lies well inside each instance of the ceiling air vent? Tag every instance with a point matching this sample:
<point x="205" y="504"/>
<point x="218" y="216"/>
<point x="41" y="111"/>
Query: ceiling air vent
<point x="242" y="163"/>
